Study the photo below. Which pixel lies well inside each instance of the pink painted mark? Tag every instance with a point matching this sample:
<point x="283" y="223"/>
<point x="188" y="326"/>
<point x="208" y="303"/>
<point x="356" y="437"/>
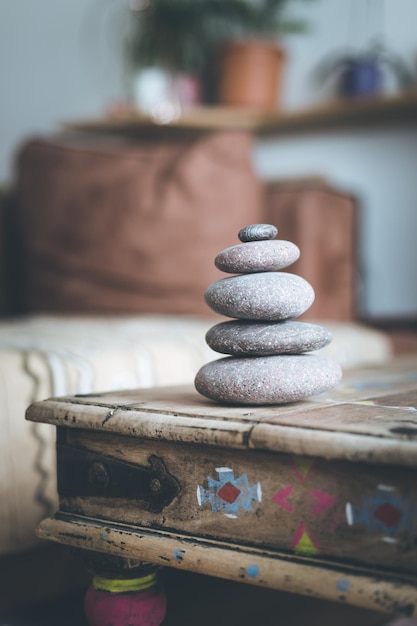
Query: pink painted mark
<point x="324" y="501"/>
<point x="302" y="467"/>
<point x="304" y="542"/>
<point x="280" y="498"/>
<point x="140" y="608"/>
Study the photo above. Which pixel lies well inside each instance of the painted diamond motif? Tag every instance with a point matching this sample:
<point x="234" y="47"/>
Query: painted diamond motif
<point x="229" y="494"/>
<point x="385" y="512"/>
<point x="388" y="515"/>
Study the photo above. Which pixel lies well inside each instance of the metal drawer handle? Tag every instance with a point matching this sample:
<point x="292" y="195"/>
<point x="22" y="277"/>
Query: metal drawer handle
<point x="84" y="473"/>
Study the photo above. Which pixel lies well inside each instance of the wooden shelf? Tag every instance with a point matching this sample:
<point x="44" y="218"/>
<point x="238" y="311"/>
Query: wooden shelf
<point x="401" y="108"/>
<point x="367" y="112"/>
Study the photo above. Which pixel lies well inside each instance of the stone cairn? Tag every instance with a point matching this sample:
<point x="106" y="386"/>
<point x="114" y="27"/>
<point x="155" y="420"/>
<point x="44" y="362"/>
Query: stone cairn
<point x="268" y="362"/>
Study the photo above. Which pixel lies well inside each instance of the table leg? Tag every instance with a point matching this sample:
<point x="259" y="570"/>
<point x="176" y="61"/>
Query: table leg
<point x="123" y="592"/>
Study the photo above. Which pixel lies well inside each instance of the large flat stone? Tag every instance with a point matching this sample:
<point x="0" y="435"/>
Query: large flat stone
<point x="248" y="338"/>
<point x="257" y="256"/>
<point x="268" y="296"/>
<point x="267" y="380"/>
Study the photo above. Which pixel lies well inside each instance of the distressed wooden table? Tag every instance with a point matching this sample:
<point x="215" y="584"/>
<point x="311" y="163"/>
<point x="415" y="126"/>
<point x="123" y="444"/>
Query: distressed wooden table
<point x="317" y="497"/>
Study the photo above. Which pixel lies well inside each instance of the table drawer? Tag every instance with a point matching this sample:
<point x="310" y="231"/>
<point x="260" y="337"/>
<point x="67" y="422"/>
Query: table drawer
<point x="364" y="514"/>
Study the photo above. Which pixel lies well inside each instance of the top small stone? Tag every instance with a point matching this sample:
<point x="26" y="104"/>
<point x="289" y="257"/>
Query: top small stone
<point x="257" y="232"/>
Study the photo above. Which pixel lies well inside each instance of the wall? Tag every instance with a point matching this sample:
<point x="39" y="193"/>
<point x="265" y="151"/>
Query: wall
<point x="57" y="62"/>
<point x="378" y="164"/>
<point x="379" y="167"/>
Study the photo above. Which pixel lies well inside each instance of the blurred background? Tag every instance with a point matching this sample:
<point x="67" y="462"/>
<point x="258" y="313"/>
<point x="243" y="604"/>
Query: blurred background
<point x="76" y="60"/>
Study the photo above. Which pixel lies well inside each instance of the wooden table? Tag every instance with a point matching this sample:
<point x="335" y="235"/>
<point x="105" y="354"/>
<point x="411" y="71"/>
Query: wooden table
<point x="316" y="497"/>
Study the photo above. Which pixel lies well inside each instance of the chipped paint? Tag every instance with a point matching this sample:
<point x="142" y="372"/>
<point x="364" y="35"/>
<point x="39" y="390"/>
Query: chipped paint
<point x="178" y="554"/>
<point x="343" y="584"/>
<point x="408" y="409"/>
<point x="253" y="571"/>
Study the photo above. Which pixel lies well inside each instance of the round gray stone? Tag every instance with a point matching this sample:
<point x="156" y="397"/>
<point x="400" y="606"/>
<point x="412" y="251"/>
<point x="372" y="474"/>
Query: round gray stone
<point x="257" y="256"/>
<point x="257" y="232"/>
<point x="247" y="338"/>
<point x="267" y="296"/>
<point x="267" y="380"/>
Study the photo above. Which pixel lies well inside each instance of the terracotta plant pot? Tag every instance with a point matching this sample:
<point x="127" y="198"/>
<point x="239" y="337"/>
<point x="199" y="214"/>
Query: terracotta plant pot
<point x="251" y="74"/>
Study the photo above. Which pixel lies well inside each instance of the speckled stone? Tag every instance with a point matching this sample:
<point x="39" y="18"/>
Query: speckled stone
<point x="257" y="232"/>
<point x="257" y="256"/>
<point x="247" y="338"/>
<point x="267" y="380"/>
<point x="268" y="296"/>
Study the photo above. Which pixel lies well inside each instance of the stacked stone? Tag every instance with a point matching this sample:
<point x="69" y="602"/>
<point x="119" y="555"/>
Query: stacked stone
<point x="268" y="363"/>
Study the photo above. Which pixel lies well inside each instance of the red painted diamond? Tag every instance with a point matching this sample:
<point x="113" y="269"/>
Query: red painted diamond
<point x="388" y="514"/>
<point x="229" y="493"/>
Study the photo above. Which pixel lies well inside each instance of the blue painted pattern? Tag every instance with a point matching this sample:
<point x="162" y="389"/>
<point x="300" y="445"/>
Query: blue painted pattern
<point x="229" y="494"/>
<point x="386" y="512"/>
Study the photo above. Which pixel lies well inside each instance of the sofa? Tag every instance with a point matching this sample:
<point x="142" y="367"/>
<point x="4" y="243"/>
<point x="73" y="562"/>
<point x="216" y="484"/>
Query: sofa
<point x="106" y="249"/>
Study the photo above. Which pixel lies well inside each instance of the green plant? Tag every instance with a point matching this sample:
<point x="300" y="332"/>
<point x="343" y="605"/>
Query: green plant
<point x="267" y="18"/>
<point x="177" y="34"/>
<point x="182" y="35"/>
